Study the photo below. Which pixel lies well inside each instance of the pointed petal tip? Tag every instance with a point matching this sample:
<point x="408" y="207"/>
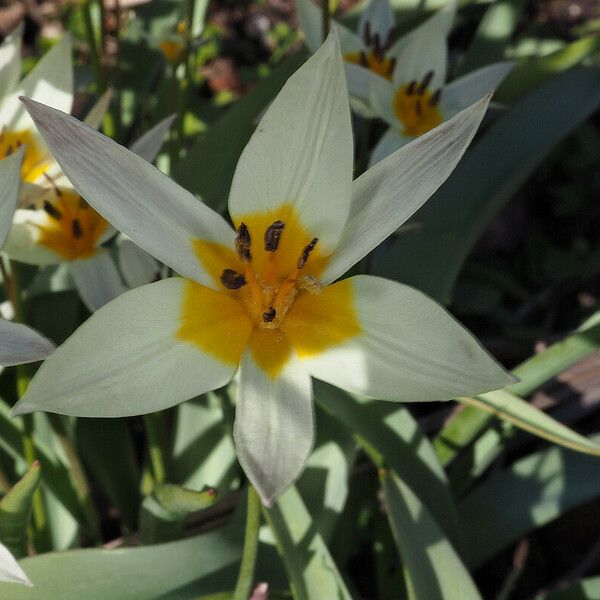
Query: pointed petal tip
<point x="20" y="408"/>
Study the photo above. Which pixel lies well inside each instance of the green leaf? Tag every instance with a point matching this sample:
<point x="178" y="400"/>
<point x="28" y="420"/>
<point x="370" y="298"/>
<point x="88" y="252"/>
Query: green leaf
<point x="393" y="439"/>
<point x="208" y="168"/>
<point x="587" y="589"/>
<point x="509" y="407"/>
<point x="441" y="234"/>
<point x="526" y="496"/>
<point x="312" y="572"/>
<point x="432" y="568"/>
<point x="533" y="72"/>
<point x="15" y="509"/>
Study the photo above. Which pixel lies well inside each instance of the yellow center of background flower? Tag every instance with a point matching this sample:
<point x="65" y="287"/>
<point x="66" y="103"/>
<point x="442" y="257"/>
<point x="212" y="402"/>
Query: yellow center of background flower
<point x="72" y="227"/>
<point x="376" y="62"/>
<point x="272" y="303"/>
<point x="35" y="160"/>
<point x="417" y="109"/>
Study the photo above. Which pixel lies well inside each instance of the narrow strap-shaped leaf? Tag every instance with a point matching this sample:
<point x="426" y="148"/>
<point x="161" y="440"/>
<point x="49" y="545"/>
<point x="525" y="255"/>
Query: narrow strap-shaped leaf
<point x="311" y="569"/>
<point x="432" y="568"/>
<point x="15" y="509"/>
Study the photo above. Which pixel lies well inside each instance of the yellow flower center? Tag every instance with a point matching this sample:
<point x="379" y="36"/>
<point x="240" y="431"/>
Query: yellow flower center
<point x="417" y="108"/>
<point x="172" y="50"/>
<point x="270" y="297"/>
<point x="72" y="228"/>
<point x="35" y="160"/>
<point x="377" y="63"/>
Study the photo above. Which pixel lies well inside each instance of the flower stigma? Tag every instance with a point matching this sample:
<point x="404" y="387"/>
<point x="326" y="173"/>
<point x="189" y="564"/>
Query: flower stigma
<point x="373" y="57"/>
<point x="416" y="107"/>
<point x="269" y="295"/>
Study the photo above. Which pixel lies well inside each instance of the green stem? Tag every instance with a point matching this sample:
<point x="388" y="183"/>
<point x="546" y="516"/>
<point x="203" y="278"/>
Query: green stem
<point x="152" y="422"/>
<point x="92" y="44"/>
<point x="325" y="18"/>
<point x="23" y="377"/>
<point x="245" y="579"/>
<point x="173" y="108"/>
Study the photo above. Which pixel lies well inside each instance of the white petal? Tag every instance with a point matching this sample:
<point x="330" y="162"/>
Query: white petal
<point x="380" y="17"/>
<point x="464" y="91"/>
<point x="359" y="81"/>
<point x="381" y="99"/>
<point x="310" y="19"/>
<point x="131" y="194"/>
<point x="94" y="117"/>
<point x="273" y="428"/>
<point x="410" y="349"/>
<point x="150" y="143"/>
<point x="10" y="182"/>
<point x="126" y="360"/>
<point x="97" y="279"/>
<point x="22" y="243"/>
<point x="10" y="569"/>
<point x="386" y="195"/>
<point x="10" y="61"/>
<point x="390" y="141"/>
<point x="424" y="49"/>
<point x="20" y="344"/>
<point x="137" y="266"/>
<point x="50" y="81"/>
<point x="301" y="152"/>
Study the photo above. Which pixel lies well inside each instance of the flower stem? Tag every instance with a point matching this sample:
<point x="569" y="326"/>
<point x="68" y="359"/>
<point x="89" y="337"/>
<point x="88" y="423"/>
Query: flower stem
<point x="92" y="43"/>
<point x="152" y="423"/>
<point x="23" y="377"/>
<point x="243" y="586"/>
<point x="325" y="17"/>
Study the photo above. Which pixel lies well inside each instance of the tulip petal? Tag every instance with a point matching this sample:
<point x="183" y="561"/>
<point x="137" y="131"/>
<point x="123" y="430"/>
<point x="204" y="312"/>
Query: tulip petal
<point x="359" y="81"/>
<point x="273" y="428"/>
<point x="50" y="81"/>
<point x="97" y="279"/>
<point x="411" y="349"/>
<point x="310" y="19"/>
<point x="137" y="266"/>
<point x="150" y="143"/>
<point x="381" y="98"/>
<point x="464" y="91"/>
<point x="425" y="49"/>
<point x="10" y="61"/>
<point x="380" y="18"/>
<point x="126" y="359"/>
<point x="10" y="570"/>
<point x="135" y="197"/>
<point x="10" y="176"/>
<point x="386" y="195"/>
<point x="20" y="344"/>
<point x="390" y="141"/>
<point x="301" y="152"/>
<point x="95" y="115"/>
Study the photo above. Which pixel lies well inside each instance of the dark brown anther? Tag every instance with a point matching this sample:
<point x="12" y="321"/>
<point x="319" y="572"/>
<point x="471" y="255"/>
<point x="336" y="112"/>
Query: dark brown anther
<point x="51" y="182"/>
<point x="306" y="253"/>
<point x="232" y="280"/>
<point x="418" y="108"/>
<point x="377" y="48"/>
<point x="390" y="39"/>
<point x="269" y="315"/>
<point x="272" y="235"/>
<point x="410" y="88"/>
<point x="76" y="229"/>
<point x="367" y="33"/>
<point x="364" y="61"/>
<point x="425" y="82"/>
<point x="392" y="65"/>
<point x="52" y="210"/>
<point x="436" y="97"/>
<point x="242" y="243"/>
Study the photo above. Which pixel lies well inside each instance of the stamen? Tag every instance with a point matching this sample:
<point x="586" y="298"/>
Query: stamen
<point x="364" y="61"/>
<point x="418" y="107"/>
<point x="389" y="40"/>
<point x="410" y="89"/>
<point x="232" y="280"/>
<point x="306" y="252"/>
<point x="425" y="83"/>
<point x="272" y="236"/>
<point x="269" y="315"/>
<point x="76" y="229"/>
<point x="242" y="243"/>
<point x="52" y="210"/>
<point x="53" y="184"/>
<point x="367" y="33"/>
<point x="436" y="97"/>
<point x="377" y="47"/>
